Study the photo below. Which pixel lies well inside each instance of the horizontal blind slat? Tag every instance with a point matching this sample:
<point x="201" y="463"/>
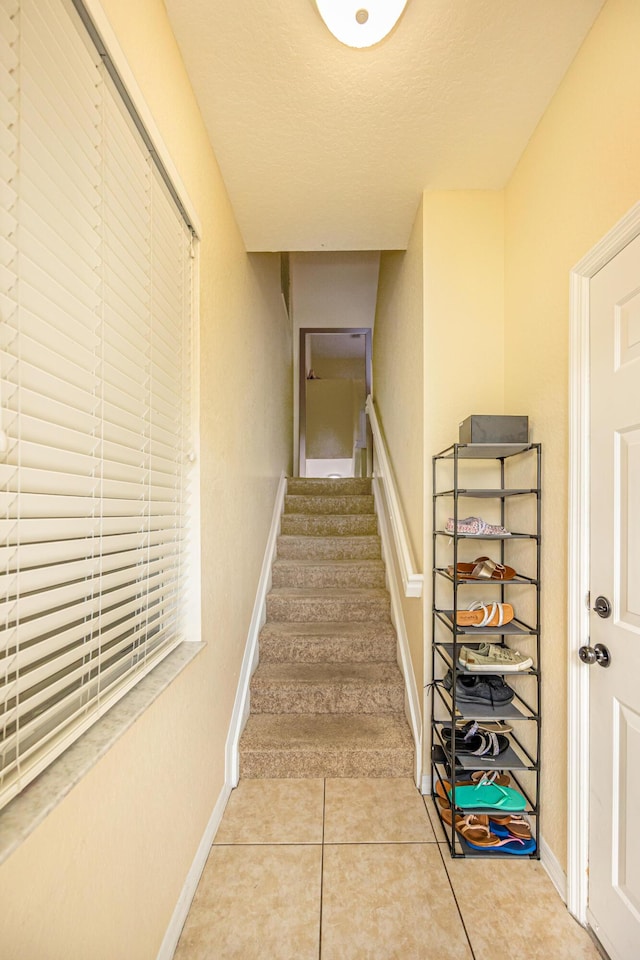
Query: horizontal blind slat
<point x="38" y="646"/>
<point x="41" y="613"/>
<point x="39" y="178"/>
<point x="17" y="556"/>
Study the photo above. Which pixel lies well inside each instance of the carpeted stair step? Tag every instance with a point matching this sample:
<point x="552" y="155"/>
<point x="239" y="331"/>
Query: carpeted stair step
<point x="326" y="745"/>
<point x="328" y="505"/>
<point x="329" y="548"/>
<point x="329" y="604"/>
<point x="327" y="688"/>
<point x="329" y="525"/>
<point x="325" y="487"/>
<point x="328" y="573"/>
<point x="316" y="642"/>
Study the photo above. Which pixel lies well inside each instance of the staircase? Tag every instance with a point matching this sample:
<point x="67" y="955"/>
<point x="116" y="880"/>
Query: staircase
<point x="327" y="698"/>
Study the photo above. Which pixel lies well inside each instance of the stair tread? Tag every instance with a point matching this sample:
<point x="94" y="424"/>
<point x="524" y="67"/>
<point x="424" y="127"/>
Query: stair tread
<point x="332" y="628"/>
<point x="328" y="673"/>
<point x="329" y="524"/>
<point x="332" y="641"/>
<point x="327" y="516"/>
<point x="321" y="499"/>
<point x="317" y="732"/>
<point x="367" y="562"/>
<point x="331" y="593"/>
<point x="329" y="486"/>
<point x="340" y="537"/>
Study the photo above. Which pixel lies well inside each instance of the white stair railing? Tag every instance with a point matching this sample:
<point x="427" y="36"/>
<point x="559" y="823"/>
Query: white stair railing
<point x="412" y="580"/>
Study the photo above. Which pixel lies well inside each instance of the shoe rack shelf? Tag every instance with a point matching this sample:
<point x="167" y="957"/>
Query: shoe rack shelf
<point x="471" y="479"/>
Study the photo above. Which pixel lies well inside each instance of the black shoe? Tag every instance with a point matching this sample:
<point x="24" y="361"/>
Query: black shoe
<point x="480" y="688"/>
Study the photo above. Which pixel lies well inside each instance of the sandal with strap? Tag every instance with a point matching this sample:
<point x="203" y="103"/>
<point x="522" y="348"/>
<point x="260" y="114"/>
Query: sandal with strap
<point x="491" y="776"/>
<point x="491" y="726"/>
<point x="475" y="830"/>
<point x="476" y="742"/>
<point x="483" y="568"/>
<point x="480" y="614"/>
<point x="511" y="826"/>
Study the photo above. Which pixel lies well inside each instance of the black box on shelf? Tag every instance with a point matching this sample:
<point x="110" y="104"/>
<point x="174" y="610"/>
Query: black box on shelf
<point x="492" y="429"/>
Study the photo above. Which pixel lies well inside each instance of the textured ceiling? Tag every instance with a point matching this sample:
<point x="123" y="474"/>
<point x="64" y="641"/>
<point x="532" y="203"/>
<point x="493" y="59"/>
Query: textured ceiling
<point x="324" y="147"/>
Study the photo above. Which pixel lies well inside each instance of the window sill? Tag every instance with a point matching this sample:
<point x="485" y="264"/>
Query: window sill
<point x="21" y="817"/>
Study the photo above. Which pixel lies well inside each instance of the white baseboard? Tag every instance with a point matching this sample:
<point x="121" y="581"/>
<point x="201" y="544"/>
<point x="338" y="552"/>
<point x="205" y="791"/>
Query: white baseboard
<point x="412" y="699"/>
<point x="250" y="660"/>
<point x="172" y="935"/>
<point x="425" y="785"/>
<point x="551" y="864"/>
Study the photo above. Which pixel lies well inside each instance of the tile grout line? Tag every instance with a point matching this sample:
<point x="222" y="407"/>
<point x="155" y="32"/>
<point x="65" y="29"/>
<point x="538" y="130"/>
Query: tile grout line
<point x="334" y="843"/>
<point x="444" y="864"/>
<point x="455" y="900"/>
<point x="324" y="807"/>
<point x="268" y="843"/>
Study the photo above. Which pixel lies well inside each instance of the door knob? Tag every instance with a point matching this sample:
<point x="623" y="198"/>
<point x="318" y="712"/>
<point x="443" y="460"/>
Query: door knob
<point x="602" y="607"/>
<point x="598" y="654"/>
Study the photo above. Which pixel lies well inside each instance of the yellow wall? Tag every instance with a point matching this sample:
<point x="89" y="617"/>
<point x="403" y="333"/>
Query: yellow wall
<point x="439" y="335"/>
<point x="463" y="310"/>
<point x="398" y="373"/>
<point x="463" y="331"/>
<point x="397" y="391"/>
<point x="577" y="177"/>
<point x="329" y="413"/>
<point x="99" y="879"/>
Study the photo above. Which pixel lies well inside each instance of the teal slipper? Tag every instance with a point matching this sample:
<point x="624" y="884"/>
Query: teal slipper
<point x="489" y="795"/>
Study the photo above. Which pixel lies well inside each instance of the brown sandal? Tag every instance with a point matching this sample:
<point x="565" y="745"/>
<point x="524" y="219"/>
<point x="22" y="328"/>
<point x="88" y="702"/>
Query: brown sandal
<point x="482" y="614"/>
<point x="515" y="824"/>
<point x="483" y="568"/>
<point x="491" y="726"/>
<point x="474" y="829"/>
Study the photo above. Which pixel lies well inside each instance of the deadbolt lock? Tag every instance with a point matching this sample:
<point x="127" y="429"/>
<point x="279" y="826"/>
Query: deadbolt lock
<point x="602" y="607"/>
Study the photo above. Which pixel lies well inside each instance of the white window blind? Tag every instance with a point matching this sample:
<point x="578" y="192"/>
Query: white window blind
<point x="95" y="355"/>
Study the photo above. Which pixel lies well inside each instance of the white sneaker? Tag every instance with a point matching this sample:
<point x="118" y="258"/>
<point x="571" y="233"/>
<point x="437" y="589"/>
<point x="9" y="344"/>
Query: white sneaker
<point x="491" y="658"/>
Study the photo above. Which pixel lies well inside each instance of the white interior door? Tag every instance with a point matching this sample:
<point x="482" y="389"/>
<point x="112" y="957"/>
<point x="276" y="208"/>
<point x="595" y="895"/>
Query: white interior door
<point x="614" y="815"/>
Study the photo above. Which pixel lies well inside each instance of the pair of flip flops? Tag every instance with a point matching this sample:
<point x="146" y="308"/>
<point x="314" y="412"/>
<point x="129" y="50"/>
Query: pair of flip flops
<point x="443" y="787"/>
<point x="483" y="833"/>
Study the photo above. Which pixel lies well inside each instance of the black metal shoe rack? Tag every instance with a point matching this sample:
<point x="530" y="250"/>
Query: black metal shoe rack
<point x="461" y="487"/>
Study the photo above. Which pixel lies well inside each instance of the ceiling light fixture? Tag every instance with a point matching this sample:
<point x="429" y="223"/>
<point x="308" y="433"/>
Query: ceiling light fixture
<point x="360" y="23"/>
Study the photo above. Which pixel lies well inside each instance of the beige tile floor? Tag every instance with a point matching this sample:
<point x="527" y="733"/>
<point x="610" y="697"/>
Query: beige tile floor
<point x="354" y="870"/>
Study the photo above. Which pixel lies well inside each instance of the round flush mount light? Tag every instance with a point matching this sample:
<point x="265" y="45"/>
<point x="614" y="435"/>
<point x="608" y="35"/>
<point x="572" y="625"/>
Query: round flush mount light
<point x="360" y="23"/>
